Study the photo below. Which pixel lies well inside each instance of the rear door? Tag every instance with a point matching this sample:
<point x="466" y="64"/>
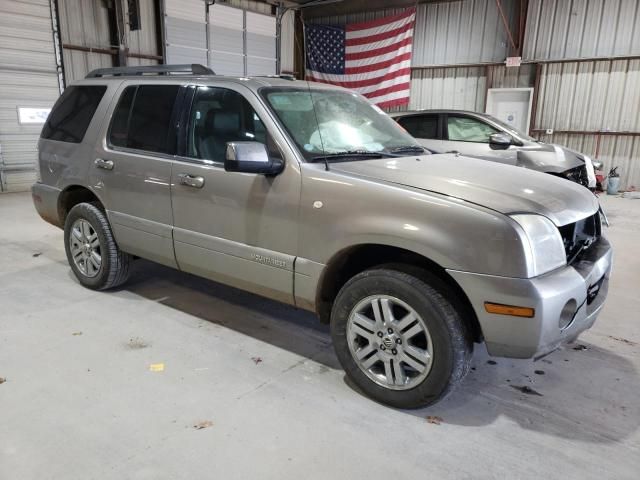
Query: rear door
<point x="426" y="128"/>
<point x="131" y="168"/>
<point x="237" y="228"/>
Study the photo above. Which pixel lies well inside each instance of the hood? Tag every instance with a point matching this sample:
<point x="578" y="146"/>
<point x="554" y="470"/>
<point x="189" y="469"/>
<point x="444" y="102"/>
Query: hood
<point x="546" y="157"/>
<point x="503" y="188"/>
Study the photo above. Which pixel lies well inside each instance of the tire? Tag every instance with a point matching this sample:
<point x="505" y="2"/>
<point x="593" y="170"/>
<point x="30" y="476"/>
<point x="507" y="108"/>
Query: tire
<point x="405" y="377"/>
<point x="87" y="231"/>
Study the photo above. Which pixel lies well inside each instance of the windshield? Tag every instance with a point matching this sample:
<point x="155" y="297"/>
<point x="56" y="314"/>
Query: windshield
<point x="341" y="122"/>
<point x="512" y="131"/>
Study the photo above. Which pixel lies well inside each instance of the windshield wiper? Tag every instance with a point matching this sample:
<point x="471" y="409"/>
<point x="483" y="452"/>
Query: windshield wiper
<point x="351" y="154"/>
<point x="408" y="149"/>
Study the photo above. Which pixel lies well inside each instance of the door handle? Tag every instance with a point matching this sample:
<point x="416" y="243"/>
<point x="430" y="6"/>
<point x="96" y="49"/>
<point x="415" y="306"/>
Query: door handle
<point x="191" y="181"/>
<point x="106" y="164"/>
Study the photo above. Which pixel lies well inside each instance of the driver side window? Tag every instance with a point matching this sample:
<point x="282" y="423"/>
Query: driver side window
<point x="218" y="116"/>
<point x="467" y="129"/>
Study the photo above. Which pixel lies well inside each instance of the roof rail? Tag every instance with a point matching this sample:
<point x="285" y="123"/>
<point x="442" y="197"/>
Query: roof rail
<point x="284" y="76"/>
<point x="194" y="69"/>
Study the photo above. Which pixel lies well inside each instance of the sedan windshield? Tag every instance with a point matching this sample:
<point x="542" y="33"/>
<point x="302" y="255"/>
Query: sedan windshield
<point x="338" y="122"/>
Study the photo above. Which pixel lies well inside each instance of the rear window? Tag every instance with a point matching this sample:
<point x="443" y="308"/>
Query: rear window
<point x="72" y="113"/>
<point x="142" y="119"/>
<point x="421" y="126"/>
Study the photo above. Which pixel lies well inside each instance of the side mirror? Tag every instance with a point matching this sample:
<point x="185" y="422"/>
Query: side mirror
<point x="500" y="141"/>
<point x="251" y="157"/>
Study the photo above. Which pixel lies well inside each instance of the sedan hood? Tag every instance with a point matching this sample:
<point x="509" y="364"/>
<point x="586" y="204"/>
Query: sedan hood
<point x="547" y="157"/>
<point x="502" y="188"/>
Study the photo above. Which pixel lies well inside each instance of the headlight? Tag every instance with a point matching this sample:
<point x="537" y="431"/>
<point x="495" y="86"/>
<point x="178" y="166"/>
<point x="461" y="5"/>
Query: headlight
<point x="546" y="248"/>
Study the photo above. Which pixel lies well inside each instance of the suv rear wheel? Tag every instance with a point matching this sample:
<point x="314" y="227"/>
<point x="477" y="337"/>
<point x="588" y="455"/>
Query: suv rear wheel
<point x="399" y="338"/>
<point x="92" y="252"/>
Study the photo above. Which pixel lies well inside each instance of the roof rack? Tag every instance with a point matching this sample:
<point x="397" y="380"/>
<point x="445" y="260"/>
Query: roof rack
<point x="194" y="69"/>
<point x="284" y="76"/>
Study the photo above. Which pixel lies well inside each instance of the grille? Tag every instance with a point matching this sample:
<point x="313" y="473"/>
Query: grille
<point x="579" y="236"/>
<point x="577" y="175"/>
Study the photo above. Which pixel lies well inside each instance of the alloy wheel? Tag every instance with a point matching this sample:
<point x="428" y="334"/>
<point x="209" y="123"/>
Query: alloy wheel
<point x="85" y="248"/>
<point x="389" y="342"/>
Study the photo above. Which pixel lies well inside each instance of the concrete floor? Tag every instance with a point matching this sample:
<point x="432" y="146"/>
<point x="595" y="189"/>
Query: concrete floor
<point x="80" y="401"/>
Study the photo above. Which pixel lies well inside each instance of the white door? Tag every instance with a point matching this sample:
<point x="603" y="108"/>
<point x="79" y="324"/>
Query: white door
<point x="511" y="105"/>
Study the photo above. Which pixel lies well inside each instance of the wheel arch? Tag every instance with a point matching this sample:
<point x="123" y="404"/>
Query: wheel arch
<point x="354" y="259"/>
<point x="72" y="195"/>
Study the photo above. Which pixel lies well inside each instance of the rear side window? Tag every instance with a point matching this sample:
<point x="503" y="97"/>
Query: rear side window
<point x="72" y="113"/>
<point x="142" y="119"/>
<point x="421" y="126"/>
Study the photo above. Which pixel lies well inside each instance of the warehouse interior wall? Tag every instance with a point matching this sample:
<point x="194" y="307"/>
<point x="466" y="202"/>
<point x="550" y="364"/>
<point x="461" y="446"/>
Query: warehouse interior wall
<point x="582" y="57"/>
<point x="28" y="80"/>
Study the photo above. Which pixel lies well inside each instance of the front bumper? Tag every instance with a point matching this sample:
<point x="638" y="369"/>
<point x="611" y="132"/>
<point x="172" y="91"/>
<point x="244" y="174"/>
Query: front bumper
<point x="551" y="296"/>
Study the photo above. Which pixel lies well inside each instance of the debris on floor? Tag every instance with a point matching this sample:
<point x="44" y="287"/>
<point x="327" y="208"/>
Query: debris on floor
<point x="526" y="389"/>
<point x="492" y="362"/>
<point x="203" y="424"/>
<point x="539" y="372"/>
<point x="136" y="343"/>
<point x="434" y="420"/>
<point x="623" y="340"/>
<point x="580" y="348"/>
<point x="2" y="380"/>
<point x="75" y="334"/>
<point x="37" y="254"/>
<point x="156" y="367"/>
<point x="256" y="360"/>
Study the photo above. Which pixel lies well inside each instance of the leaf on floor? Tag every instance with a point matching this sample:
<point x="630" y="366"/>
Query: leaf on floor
<point x="256" y="360"/>
<point x="156" y="367"/>
<point x="203" y="424"/>
<point x="526" y="389"/>
<point x="37" y="254"/>
<point x="75" y="334"/>
<point x="434" y="420"/>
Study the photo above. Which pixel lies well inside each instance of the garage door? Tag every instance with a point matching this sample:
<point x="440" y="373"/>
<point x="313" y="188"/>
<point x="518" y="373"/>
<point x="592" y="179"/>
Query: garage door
<point x="240" y="42"/>
<point x="28" y="87"/>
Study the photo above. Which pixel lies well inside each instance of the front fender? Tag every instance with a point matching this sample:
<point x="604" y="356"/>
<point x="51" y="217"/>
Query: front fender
<point x="339" y="211"/>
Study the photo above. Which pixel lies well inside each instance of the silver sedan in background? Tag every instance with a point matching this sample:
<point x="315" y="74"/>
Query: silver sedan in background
<point x="482" y="136"/>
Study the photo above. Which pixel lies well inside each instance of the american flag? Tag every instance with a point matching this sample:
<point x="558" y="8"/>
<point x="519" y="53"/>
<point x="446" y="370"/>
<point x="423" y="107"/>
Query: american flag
<point x="373" y="58"/>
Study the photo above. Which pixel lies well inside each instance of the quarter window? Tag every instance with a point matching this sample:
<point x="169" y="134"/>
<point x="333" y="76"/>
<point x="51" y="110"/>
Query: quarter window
<point x="218" y="116"/>
<point x="467" y="129"/>
<point x="72" y="113"/>
<point x="421" y="126"/>
<point x="142" y="119"/>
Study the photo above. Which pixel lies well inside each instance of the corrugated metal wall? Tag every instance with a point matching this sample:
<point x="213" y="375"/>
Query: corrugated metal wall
<point x="578" y="98"/>
<point x="449" y="33"/>
<point x="86" y="24"/>
<point x="571" y="29"/>
<point x="28" y="78"/>
<point x="595" y="96"/>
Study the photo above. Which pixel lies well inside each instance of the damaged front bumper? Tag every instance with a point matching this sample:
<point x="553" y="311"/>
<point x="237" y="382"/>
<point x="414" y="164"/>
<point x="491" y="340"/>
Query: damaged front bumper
<point x="567" y="301"/>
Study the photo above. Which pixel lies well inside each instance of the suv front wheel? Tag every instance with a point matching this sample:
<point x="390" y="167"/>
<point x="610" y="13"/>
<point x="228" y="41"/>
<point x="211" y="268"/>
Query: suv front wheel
<point x="399" y="338"/>
<point x="92" y="252"/>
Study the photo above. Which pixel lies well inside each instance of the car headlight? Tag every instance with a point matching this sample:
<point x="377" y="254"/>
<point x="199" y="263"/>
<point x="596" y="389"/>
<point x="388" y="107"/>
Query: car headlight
<point x="545" y="246"/>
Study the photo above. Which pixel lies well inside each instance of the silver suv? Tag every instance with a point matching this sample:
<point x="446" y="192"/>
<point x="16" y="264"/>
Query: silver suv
<point x="308" y="194"/>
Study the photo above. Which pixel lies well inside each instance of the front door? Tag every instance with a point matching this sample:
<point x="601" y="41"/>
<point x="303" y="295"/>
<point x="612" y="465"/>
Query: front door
<point x="237" y="228"/>
<point x="470" y="136"/>
<point x="131" y="169"/>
